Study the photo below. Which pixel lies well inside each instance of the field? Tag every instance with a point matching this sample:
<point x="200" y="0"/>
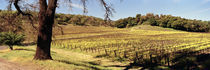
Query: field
<point x="144" y="46"/>
<point x="132" y="44"/>
<point x="103" y="40"/>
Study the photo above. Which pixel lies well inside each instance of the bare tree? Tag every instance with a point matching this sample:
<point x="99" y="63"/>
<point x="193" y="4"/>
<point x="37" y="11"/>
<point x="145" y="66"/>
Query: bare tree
<point x="46" y="15"/>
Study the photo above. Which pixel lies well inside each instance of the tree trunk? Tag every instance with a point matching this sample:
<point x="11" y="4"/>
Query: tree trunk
<point x="10" y="47"/>
<point x="44" y="38"/>
<point x="46" y="20"/>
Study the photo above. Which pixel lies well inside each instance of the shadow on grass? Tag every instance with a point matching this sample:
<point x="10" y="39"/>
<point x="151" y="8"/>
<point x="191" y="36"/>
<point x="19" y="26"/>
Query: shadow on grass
<point x="102" y="55"/>
<point x="20" y="49"/>
<point x="32" y="50"/>
<point x="182" y="60"/>
<point x="89" y="65"/>
<point x="190" y="60"/>
<point x="115" y="66"/>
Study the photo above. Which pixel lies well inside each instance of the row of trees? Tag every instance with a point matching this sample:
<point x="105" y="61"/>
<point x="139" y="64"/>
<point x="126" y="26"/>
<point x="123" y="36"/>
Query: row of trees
<point x="14" y="23"/>
<point x="166" y="21"/>
<point x="81" y="20"/>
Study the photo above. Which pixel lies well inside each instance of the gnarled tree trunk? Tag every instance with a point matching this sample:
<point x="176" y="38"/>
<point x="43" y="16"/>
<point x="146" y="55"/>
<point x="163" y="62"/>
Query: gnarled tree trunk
<point x="46" y="21"/>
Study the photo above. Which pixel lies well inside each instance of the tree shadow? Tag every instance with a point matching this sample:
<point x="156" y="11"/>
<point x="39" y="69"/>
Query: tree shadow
<point x="19" y="49"/>
<point x="32" y="50"/>
<point x="191" y="60"/>
<point x="101" y="56"/>
<point x="181" y="60"/>
<point x="115" y="66"/>
<point x="90" y="65"/>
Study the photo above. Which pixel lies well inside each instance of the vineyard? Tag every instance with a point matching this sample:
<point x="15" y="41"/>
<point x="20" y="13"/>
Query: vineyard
<point x="141" y="47"/>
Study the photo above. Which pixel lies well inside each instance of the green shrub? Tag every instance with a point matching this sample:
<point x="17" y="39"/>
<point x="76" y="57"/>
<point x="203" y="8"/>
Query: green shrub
<point x="10" y="39"/>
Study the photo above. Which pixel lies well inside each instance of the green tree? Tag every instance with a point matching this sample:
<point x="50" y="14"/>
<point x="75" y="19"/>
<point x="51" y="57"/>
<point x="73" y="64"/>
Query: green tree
<point x="10" y="39"/>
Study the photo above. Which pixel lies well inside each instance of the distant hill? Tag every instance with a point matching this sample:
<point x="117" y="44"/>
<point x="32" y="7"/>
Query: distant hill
<point x="166" y="21"/>
<point x="81" y="20"/>
<point x="9" y="17"/>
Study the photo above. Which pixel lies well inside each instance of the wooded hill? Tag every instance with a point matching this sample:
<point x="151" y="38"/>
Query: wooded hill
<point x="8" y="21"/>
<point x="13" y="23"/>
<point x="166" y="21"/>
<point x="81" y="20"/>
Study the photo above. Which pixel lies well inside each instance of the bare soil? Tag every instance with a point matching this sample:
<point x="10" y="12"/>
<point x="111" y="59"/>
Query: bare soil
<point x="3" y="47"/>
<point x="7" y="65"/>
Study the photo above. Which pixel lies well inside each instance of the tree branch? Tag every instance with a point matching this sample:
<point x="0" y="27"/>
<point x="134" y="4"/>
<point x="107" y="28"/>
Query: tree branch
<point x="109" y="10"/>
<point x="84" y="3"/>
<point x="19" y="10"/>
<point x="9" y="7"/>
<point x="16" y="2"/>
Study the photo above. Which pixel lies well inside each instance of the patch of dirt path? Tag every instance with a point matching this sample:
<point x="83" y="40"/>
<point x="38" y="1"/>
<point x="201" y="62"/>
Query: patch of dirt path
<point x="6" y="65"/>
<point x="3" y="47"/>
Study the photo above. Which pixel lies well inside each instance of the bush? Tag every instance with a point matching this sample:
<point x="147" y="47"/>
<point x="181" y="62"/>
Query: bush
<point x="121" y="23"/>
<point x="10" y="39"/>
<point x="152" y="21"/>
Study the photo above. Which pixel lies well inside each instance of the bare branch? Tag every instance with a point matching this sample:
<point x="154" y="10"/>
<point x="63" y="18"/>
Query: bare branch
<point x="16" y="2"/>
<point x="109" y="10"/>
<point x="19" y="10"/>
<point x="9" y="7"/>
<point x="84" y="3"/>
<point x="66" y="2"/>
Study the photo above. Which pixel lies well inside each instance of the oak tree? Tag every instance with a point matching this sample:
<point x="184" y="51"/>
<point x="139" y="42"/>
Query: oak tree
<point x="47" y="9"/>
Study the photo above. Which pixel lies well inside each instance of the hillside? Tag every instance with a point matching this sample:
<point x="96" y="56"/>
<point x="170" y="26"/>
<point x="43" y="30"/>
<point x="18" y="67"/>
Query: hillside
<point x="105" y="35"/>
<point x="127" y="45"/>
<point x="166" y="21"/>
<point x="146" y="45"/>
<point x="122" y="45"/>
<point x="11" y="22"/>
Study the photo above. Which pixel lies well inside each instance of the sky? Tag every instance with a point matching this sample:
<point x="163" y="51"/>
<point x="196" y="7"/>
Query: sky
<point x="190" y="9"/>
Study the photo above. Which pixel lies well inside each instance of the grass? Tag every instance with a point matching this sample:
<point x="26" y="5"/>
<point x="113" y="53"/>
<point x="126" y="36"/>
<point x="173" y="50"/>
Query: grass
<point x="63" y="60"/>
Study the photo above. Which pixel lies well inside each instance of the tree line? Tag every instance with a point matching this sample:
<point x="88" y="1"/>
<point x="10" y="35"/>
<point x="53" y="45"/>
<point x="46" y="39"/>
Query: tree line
<point x="12" y="23"/>
<point x="9" y="23"/>
<point x="166" y="21"/>
<point x="81" y="20"/>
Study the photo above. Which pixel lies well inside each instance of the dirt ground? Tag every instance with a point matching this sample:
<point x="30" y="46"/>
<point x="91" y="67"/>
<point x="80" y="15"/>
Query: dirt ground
<point x="3" y="47"/>
<point x="7" y="65"/>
